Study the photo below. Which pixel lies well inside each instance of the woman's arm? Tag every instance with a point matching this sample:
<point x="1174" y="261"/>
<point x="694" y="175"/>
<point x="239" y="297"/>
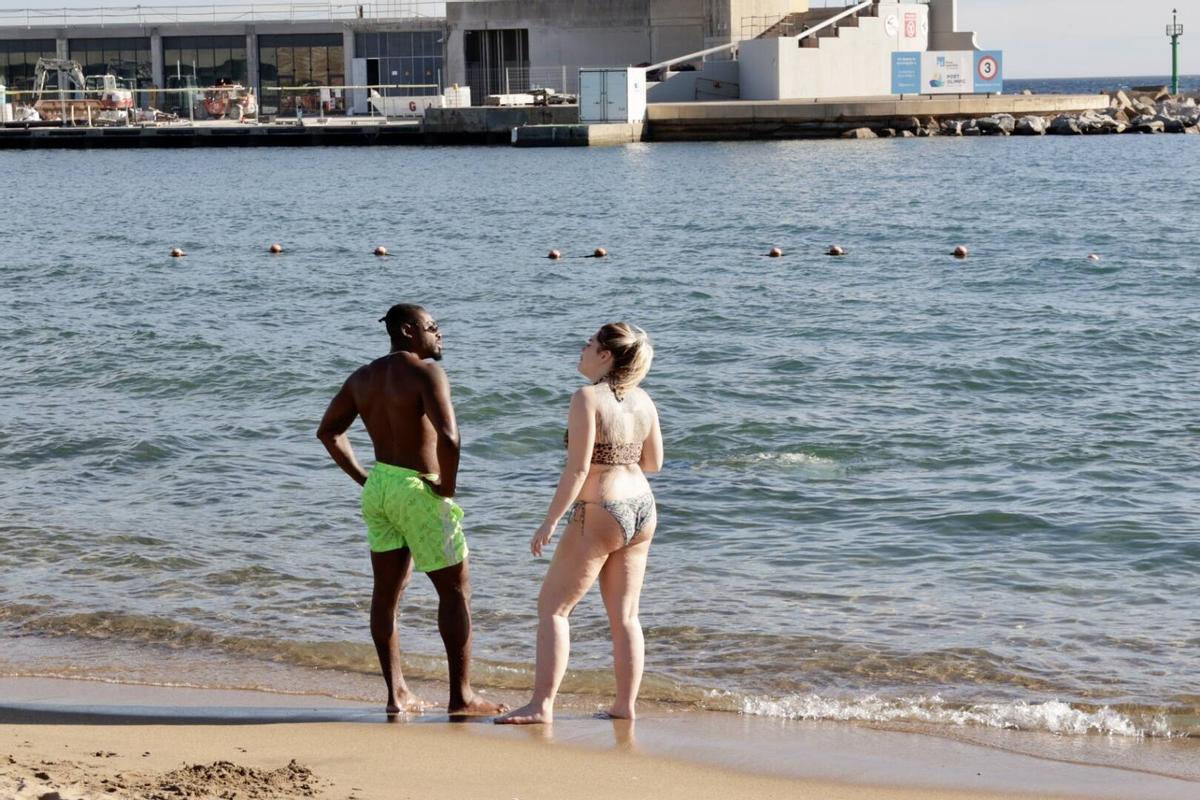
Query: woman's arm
<point x="652" y="447"/>
<point x="581" y="438"/>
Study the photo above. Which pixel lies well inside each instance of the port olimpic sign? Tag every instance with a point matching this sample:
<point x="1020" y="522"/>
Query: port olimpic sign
<point x="948" y="72"/>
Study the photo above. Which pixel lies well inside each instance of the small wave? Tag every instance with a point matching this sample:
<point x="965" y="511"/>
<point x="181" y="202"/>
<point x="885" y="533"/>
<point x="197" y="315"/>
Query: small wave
<point x="1053" y="716"/>
<point x="818" y="466"/>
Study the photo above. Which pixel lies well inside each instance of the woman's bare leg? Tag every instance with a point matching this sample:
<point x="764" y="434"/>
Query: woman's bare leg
<point x="577" y="560"/>
<point x="621" y="587"/>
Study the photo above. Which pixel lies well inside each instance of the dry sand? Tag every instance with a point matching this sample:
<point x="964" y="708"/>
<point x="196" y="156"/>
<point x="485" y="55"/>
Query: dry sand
<point x="352" y="760"/>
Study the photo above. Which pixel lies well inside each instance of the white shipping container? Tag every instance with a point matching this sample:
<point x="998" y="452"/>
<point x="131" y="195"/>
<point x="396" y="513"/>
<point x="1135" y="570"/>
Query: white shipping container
<point x="612" y="94"/>
<point x="457" y="96"/>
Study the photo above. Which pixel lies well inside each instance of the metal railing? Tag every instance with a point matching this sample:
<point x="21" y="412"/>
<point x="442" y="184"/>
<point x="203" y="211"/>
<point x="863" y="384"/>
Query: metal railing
<point x="753" y="27"/>
<point x="521" y="80"/>
<point x="431" y="10"/>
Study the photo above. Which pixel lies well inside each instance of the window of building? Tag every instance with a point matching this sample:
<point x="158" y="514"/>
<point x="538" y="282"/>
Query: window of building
<point x="211" y="59"/>
<point x="18" y="58"/>
<point x="293" y="67"/>
<point x="497" y="61"/>
<point x="404" y="62"/>
<point x="127" y="58"/>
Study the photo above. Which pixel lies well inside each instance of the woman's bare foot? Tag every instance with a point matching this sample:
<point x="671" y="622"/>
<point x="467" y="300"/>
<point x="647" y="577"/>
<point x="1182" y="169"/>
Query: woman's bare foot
<point x="532" y="714"/>
<point x="477" y="706"/>
<point x="616" y="713"/>
<point x="406" y="702"/>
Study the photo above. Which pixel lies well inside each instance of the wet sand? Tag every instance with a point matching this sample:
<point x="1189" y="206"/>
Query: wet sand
<point x="86" y="739"/>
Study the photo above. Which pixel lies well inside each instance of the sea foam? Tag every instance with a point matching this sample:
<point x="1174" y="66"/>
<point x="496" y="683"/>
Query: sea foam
<point x="1051" y="717"/>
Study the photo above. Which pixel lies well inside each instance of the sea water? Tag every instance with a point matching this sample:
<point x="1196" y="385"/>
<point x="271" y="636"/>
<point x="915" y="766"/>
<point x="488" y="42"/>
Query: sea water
<point x="899" y="487"/>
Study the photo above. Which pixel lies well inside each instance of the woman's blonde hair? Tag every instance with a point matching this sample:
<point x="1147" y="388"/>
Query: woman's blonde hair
<point x="631" y="351"/>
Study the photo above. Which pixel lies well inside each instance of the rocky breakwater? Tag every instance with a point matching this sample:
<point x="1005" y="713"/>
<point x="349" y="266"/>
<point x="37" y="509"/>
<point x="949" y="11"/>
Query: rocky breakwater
<point x="1137" y="111"/>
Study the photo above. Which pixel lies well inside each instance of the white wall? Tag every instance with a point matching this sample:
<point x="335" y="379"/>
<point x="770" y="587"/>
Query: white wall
<point x="680" y="87"/>
<point x="943" y="28"/>
<point x="856" y="63"/>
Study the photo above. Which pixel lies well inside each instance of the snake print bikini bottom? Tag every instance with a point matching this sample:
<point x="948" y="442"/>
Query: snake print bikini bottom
<point x="631" y="513"/>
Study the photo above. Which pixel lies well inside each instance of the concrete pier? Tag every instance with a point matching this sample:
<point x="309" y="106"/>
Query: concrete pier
<point x="591" y="135"/>
<point x="558" y="126"/>
<point x="827" y="118"/>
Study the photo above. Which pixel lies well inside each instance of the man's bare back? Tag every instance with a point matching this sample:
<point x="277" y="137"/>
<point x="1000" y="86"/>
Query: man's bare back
<point x="404" y="402"/>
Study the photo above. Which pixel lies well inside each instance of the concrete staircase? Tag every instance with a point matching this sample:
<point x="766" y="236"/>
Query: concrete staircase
<point x="798" y="22"/>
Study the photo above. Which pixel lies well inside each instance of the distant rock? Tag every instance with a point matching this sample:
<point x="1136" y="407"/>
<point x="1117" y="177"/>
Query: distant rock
<point x="1171" y="124"/>
<point x="1121" y="102"/>
<point x="1030" y="126"/>
<point x="886" y="133"/>
<point x="1064" y="126"/>
<point x="1142" y="108"/>
<point x="996" y="125"/>
<point x="906" y="134"/>
<point x="1148" y="124"/>
<point x="971" y="128"/>
<point x="859" y="133"/>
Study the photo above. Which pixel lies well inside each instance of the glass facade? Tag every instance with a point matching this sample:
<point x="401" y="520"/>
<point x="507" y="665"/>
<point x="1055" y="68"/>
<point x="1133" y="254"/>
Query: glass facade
<point x="18" y="57"/>
<point x="127" y="58"/>
<point x="211" y="59"/>
<point x="413" y="60"/>
<point x="497" y="61"/>
<point x="288" y="62"/>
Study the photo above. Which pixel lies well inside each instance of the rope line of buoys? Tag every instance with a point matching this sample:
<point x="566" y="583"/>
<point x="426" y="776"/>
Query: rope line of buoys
<point x="960" y="252"/>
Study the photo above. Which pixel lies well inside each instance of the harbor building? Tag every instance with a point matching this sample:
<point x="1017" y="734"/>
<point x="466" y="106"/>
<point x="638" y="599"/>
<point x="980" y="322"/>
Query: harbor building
<point x="300" y="56"/>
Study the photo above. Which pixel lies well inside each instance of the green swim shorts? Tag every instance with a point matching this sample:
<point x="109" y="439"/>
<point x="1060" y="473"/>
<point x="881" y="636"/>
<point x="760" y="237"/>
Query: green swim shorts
<point x="402" y="510"/>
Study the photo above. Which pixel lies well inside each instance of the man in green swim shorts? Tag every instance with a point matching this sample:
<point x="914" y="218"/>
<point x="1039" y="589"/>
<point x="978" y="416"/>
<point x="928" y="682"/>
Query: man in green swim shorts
<point x="404" y="401"/>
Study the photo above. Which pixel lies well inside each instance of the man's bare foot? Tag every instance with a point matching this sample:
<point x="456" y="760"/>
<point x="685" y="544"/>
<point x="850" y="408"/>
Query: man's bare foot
<point x="477" y="706"/>
<point x="406" y="702"/>
<point x="532" y="714"/>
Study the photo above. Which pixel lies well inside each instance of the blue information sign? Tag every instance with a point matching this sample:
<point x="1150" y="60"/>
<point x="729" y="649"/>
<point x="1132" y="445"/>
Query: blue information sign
<point x="906" y="73"/>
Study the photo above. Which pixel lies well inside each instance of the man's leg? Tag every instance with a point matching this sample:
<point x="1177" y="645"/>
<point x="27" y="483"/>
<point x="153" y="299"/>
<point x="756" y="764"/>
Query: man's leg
<point x="453" y="586"/>
<point x="393" y="571"/>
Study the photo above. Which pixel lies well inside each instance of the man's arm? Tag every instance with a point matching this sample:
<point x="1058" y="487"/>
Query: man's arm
<point x="435" y="392"/>
<point x="332" y="432"/>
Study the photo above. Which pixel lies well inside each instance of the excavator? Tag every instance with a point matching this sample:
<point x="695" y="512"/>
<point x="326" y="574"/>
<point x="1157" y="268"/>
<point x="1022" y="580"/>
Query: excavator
<point x="77" y="98"/>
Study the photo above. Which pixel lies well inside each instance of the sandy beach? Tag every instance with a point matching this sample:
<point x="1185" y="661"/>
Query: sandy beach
<point x="89" y="740"/>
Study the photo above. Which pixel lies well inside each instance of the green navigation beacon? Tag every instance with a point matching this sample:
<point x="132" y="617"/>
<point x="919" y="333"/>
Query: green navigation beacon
<point x="1174" y="30"/>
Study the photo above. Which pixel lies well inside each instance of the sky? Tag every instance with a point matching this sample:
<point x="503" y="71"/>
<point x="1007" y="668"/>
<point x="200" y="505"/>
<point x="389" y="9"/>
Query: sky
<point x="1040" y="38"/>
<point x="1084" y="38"/>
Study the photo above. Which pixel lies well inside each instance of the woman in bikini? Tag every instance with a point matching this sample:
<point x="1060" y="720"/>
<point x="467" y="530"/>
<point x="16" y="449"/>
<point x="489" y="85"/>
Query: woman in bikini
<point x="613" y="440"/>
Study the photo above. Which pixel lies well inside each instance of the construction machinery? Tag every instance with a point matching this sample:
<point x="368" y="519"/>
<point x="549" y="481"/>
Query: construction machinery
<point x="68" y="100"/>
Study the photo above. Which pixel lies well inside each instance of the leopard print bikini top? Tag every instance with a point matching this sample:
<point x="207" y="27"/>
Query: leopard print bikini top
<point x="614" y="453"/>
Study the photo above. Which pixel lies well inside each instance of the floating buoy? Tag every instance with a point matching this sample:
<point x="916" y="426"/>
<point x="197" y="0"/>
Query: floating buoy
<point x="177" y="252"/>
<point x="1094" y="257"/>
<point x="554" y="255"/>
<point x="381" y="251"/>
<point x="275" y="248"/>
<point x="961" y="252"/>
<point x="835" y="250"/>
<point x="775" y="252"/>
<point x="599" y="252"/>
